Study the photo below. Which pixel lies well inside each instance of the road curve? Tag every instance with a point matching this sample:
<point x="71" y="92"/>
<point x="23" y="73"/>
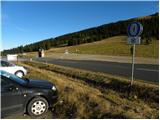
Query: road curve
<point x="142" y="71"/>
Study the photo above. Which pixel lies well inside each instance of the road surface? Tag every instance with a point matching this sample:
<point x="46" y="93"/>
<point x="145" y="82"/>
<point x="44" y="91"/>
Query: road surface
<point x="142" y="71"/>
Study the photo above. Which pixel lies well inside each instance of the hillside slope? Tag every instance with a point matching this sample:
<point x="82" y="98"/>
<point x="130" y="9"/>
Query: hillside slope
<point x="116" y="46"/>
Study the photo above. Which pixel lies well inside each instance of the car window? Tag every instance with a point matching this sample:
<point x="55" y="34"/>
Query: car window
<point x="5" y="64"/>
<point x="13" y="78"/>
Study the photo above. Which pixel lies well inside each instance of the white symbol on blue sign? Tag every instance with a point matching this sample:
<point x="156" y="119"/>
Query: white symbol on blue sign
<point x="135" y="29"/>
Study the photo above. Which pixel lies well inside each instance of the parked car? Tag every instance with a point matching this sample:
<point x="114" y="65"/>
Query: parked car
<point x="20" y="71"/>
<point x="33" y="97"/>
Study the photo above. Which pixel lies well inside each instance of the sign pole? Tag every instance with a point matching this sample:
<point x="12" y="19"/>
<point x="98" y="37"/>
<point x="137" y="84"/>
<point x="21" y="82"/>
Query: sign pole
<point x="133" y="61"/>
<point x="134" y="30"/>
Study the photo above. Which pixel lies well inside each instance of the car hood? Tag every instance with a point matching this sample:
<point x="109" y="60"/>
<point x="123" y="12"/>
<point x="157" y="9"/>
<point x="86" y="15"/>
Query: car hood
<point x="39" y="84"/>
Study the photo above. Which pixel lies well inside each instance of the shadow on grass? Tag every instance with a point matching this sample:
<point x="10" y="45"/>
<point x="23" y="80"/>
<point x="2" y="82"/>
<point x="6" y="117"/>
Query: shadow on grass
<point x="145" y="93"/>
<point x="142" y="92"/>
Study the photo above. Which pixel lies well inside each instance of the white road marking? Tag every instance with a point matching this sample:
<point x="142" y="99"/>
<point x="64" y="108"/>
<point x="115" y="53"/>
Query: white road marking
<point x="143" y="69"/>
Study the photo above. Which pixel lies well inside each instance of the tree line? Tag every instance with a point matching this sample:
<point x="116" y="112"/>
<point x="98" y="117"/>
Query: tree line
<point x="150" y="30"/>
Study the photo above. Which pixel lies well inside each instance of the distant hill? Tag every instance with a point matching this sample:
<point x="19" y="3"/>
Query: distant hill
<point x="114" y="46"/>
<point x="150" y="30"/>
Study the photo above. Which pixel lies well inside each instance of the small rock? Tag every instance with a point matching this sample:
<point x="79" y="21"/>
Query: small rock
<point x="61" y="101"/>
<point x="126" y="107"/>
<point x="135" y="96"/>
<point x="137" y="110"/>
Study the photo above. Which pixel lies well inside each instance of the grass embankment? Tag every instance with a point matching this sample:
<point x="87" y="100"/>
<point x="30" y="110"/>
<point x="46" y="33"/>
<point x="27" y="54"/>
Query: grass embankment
<point x="116" y="46"/>
<point x="94" y="95"/>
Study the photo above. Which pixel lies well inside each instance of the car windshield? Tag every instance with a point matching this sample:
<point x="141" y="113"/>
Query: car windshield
<point x="13" y="77"/>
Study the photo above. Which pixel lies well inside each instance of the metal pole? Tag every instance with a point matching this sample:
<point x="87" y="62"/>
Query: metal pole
<point x="133" y="56"/>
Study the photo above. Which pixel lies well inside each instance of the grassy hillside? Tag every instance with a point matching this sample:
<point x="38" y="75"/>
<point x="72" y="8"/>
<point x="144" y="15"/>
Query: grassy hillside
<point x="116" y="46"/>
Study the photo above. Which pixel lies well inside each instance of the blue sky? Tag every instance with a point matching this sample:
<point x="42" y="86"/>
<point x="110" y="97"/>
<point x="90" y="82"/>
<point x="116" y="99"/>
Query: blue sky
<point x="28" y="22"/>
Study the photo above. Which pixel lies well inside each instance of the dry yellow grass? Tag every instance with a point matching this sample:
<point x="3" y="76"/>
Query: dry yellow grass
<point x="79" y="99"/>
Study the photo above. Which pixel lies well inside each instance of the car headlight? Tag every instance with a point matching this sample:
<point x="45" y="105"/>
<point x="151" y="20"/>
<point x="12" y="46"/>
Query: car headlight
<point x="54" y="88"/>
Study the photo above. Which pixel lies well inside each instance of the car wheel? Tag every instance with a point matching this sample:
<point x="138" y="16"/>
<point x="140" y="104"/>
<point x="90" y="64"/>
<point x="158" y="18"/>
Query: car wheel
<point x="19" y="74"/>
<point x="37" y="107"/>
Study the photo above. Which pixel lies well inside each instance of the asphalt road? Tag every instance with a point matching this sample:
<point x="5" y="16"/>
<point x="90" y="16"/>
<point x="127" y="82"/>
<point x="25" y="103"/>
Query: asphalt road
<point x="142" y="71"/>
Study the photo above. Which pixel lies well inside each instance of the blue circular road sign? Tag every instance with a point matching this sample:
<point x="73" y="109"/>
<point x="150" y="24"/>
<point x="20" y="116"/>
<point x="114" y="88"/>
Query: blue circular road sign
<point x="135" y="29"/>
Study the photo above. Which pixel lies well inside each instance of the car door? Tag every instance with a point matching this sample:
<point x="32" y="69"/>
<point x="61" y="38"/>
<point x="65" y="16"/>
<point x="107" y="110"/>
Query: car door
<point x="11" y="97"/>
<point x="6" y="66"/>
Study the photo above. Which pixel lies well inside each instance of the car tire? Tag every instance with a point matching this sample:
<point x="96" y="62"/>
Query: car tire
<point x="37" y="107"/>
<point x="19" y="74"/>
